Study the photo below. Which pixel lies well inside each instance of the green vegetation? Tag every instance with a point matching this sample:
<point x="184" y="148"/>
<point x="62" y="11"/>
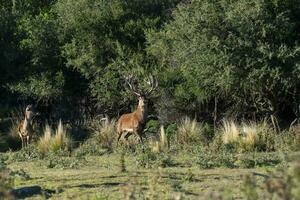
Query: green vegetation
<point x="226" y="110"/>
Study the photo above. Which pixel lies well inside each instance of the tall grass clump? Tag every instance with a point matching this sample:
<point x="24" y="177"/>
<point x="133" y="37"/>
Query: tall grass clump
<point x="54" y="142"/>
<point x="230" y="132"/>
<point x="105" y="133"/>
<point x="160" y="145"/>
<point x="249" y="136"/>
<point x="44" y="142"/>
<point x="289" y="140"/>
<point x="16" y="117"/>
<point x="60" y="141"/>
<point x="102" y="138"/>
<point x="189" y="132"/>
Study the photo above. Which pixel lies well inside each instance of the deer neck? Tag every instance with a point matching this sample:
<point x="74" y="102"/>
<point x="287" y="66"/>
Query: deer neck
<point x="141" y="113"/>
<point x="27" y="121"/>
<point x="25" y="124"/>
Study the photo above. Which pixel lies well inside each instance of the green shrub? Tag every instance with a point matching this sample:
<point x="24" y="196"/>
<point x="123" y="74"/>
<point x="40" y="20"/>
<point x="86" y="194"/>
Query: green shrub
<point x="253" y="160"/>
<point x="149" y="159"/>
<point x="62" y="161"/>
<point x="171" y="130"/>
<point x="208" y="160"/>
<point x="146" y="159"/>
<point x="152" y="126"/>
<point x="266" y="137"/>
<point x="90" y="147"/>
<point x="27" y="153"/>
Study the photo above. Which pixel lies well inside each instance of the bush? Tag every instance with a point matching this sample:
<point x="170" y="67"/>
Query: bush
<point x="171" y="130"/>
<point x="62" y="162"/>
<point x="152" y="126"/>
<point x="44" y="142"/>
<point x="25" y="154"/>
<point x="90" y="147"/>
<point x="258" y="160"/>
<point x="149" y="159"/>
<point x="208" y="160"/>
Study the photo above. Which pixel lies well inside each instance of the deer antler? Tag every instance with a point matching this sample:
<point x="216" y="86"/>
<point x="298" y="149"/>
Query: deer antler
<point x="128" y="80"/>
<point x="152" y="82"/>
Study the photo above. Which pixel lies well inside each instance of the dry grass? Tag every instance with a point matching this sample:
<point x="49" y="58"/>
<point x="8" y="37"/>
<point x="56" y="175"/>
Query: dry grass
<point x="250" y="133"/>
<point x="248" y="136"/>
<point x="189" y="131"/>
<point x="54" y="142"/>
<point x="60" y="141"/>
<point x="44" y="141"/>
<point x="105" y="132"/>
<point x="160" y="145"/>
<point x="16" y="117"/>
<point x="230" y="132"/>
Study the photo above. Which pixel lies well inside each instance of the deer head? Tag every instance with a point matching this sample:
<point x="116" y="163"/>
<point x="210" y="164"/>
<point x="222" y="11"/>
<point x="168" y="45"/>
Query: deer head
<point x="30" y="112"/>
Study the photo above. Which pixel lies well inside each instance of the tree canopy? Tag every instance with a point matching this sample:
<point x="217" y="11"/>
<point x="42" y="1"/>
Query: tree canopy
<point x="212" y="58"/>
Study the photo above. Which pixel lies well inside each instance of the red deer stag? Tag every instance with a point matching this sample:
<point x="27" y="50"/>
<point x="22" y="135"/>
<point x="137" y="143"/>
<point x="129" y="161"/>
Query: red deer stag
<point x="25" y="127"/>
<point x="133" y="123"/>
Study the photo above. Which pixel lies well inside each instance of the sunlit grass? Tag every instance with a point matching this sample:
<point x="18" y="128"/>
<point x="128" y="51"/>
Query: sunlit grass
<point x="54" y="142"/>
<point x="230" y="132"/>
<point x="189" y="131"/>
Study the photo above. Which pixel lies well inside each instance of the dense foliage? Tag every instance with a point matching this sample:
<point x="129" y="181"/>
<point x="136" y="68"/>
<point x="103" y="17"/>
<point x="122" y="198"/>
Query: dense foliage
<point x="212" y="58"/>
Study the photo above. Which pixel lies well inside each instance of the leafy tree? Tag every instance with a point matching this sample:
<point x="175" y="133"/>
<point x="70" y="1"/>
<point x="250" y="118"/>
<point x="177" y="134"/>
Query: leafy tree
<point x="105" y="39"/>
<point x="236" y="56"/>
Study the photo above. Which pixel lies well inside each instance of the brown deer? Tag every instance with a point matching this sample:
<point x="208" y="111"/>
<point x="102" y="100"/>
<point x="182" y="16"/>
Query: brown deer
<point x="25" y="127"/>
<point x="133" y="123"/>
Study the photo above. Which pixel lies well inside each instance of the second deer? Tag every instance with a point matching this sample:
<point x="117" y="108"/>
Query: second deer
<point x="133" y="123"/>
<point x="25" y="127"/>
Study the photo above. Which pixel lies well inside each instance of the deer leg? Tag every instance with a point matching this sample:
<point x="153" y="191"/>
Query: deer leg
<point x="119" y="136"/>
<point x="140" y="138"/>
<point x="126" y="136"/>
<point x="25" y="142"/>
<point x="140" y="134"/>
<point x="22" y="141"/>
<point x="27" y="139"/>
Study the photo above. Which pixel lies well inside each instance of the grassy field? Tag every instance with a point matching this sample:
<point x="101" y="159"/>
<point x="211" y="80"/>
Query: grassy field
<point x="100" y="177"/>
<point x="236" y="163"/>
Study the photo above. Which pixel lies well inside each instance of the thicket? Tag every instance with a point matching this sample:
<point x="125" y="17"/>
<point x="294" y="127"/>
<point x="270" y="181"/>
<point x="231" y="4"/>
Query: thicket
<point x="212" y="58"/>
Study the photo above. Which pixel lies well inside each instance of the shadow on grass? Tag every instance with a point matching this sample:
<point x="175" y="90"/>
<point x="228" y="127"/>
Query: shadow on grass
<point x="30" y="191"/>
<point x="107" y="184"/>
